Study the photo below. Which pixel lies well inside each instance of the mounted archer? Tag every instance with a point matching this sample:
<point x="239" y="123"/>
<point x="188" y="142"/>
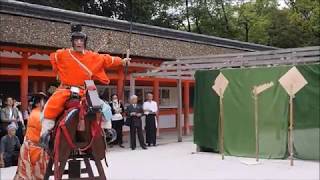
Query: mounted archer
<point x="73" y="66"/>
<point x="73" y="115"/>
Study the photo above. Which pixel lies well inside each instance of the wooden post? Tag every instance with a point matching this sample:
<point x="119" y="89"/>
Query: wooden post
<point x="221" y="126"/>
<point x="24" y="82"/>
<point x="291" y="130"/>
<point x="256" y="124"/>
<point x="179" y="86"/>
<point x="156" y="98"/>
<point x="179" y="128"/>
<point x="186" y="108"/>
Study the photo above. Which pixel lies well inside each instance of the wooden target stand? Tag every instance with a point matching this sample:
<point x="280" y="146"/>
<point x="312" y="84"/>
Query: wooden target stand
<point x="74" y="170"/>
<point x="292" y="81"/>
<point x="220" y="85"/>
<point x="75" y="158"/>
<point x="256" y="91"/>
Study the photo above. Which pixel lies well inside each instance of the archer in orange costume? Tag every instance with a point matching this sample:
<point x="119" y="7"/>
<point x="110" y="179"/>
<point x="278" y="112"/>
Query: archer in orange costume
<point x="33" y="159"/>
<point x="73" y="66"/>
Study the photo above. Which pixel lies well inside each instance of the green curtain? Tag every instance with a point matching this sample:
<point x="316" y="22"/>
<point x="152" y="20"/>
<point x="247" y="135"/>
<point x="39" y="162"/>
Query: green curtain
<point x="306" y="114"/>
<point x="273" y="105"/>
<point x="239" y="129"/>
<point x="206" y="110"/>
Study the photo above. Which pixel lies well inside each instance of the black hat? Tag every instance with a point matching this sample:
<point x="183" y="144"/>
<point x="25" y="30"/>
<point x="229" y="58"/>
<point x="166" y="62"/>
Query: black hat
<point x="36" y="98"/>
<point x="76" y="32"/>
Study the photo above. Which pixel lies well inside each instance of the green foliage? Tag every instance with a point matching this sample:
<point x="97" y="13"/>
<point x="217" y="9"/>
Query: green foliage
<point x="258" y="21"/>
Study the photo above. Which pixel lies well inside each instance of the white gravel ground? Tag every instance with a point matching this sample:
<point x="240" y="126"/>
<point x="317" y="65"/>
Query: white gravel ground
<point x="178" y="161"/>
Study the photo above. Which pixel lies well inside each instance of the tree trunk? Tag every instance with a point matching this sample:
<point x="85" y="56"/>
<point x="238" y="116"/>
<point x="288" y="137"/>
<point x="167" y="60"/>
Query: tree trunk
<point x="247" y="31"/>
<point x="198" y="26"/>
<point x="225" y="16"/>
<point x="187" y="10"/>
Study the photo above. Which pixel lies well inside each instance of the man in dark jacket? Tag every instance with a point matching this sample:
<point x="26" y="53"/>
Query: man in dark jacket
<point x="134" y="112"/>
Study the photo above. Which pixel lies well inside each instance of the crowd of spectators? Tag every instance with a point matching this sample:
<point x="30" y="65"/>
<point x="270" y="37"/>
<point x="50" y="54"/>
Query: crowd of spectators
<point x="12" y="129"/>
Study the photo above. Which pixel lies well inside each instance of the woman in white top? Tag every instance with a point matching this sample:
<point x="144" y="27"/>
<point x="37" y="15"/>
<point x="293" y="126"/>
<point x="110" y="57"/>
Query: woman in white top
<point x="117" y="118"/>
<point x="150" y="109"/>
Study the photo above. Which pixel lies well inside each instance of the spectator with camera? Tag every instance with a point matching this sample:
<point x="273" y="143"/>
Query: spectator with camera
<point x="9" y="114"/>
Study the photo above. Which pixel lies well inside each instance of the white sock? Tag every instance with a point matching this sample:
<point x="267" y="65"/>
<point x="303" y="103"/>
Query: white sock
<point x="106" y="124"/>
<point x="47" y="124"/>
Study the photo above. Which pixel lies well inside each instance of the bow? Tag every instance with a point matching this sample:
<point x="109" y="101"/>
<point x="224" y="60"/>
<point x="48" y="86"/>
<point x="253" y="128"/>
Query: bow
<point x="128" y="50"/>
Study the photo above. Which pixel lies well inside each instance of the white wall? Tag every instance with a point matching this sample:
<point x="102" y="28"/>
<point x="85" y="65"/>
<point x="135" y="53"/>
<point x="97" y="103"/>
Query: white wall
<point x="167" y="121"/>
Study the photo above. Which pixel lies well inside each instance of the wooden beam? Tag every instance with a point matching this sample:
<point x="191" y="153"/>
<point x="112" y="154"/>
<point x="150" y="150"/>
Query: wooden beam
<point x="158" y="78"/>
<point x="190" y="70"/>
<point x="257" y="53"/>
<point x="245" y="58"/>
<point x="142" y="65"/>
<point x="36" y="73"/>
<point x="25" y="50"/>
<point x="162" y="74"/>
<point x="10" y="72"/>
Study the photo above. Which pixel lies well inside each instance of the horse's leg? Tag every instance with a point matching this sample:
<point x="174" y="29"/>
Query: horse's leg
<point x="88" y="167"/>
<point x="102" y="175"/>
<point x="49" y="171"/>
<point x="99" y="166"/>
<point x="98" y="147"/>
<point x="65" y="149"/>
<point x="98" y="153"/>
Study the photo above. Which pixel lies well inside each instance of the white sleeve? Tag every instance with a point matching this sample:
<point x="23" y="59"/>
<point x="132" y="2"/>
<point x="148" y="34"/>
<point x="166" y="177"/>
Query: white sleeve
<point x="155" y="106"/>
<point x="144" y="106"/>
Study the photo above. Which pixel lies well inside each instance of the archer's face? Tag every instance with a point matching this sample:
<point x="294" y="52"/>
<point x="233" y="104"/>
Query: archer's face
<point x="78" y="44"/>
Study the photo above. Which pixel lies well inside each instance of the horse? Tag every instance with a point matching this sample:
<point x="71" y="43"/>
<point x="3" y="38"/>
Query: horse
<point x="78" y="134"/>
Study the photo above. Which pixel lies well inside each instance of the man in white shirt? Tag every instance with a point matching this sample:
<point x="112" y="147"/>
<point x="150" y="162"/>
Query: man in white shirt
<point x="117" y="118"/>
<point x="150" y="109"/>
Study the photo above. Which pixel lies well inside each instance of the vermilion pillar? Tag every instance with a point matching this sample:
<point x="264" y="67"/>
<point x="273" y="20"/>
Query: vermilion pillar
<point x="35" y="87"/>
<point x="186" y="108"/>
<point x="120" y="85"/>
<point x="24" y="82"/>
<point x="44" y="86"/>
<point x="157" y="99"/>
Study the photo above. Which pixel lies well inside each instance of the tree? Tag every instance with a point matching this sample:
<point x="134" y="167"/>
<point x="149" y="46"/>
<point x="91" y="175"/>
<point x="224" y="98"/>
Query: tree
<point x="257" y="21"/>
